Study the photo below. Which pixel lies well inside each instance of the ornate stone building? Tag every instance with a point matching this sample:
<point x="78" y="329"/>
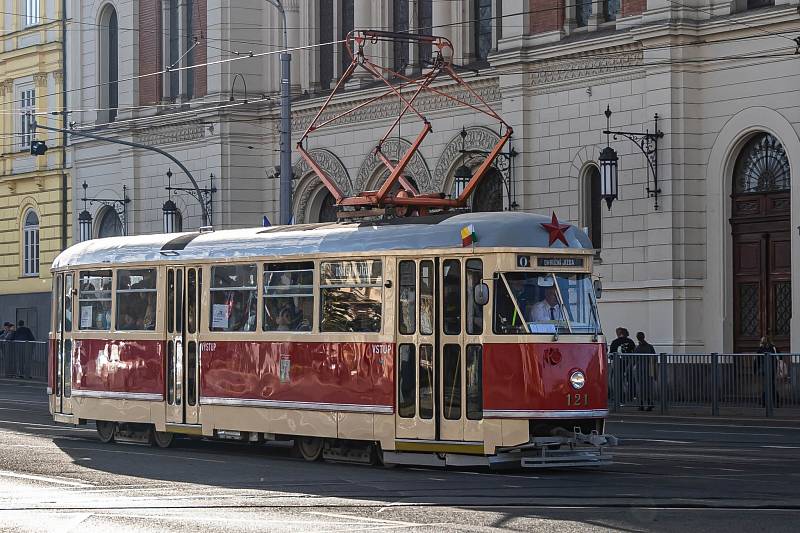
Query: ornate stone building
<point x="709" y="269"/>
<point x="34" y="191"/>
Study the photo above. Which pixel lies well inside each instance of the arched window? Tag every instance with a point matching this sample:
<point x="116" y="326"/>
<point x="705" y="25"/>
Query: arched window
<point x="762" y="166"/>
<point x="488" y="195"/>
<point x="108" y="53"/>
<point x="110" y="224"/>
<point x="327" y="209"/>
<point x="400" y="25"/>
<point x="483" y="29"/>
<point x="30" y="249"/>
<point x="593" y="206"/>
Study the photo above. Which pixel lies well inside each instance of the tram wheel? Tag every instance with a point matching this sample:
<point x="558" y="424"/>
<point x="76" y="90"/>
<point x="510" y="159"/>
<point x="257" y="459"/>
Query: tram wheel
<point x="310" y="448"/>
<point x="106" y="431"/>
<point x="161" y="439"/>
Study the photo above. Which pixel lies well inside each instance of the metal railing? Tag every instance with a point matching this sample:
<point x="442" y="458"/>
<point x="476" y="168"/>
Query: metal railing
<point x="23" y="359"/>
<point x="714" y="381"/>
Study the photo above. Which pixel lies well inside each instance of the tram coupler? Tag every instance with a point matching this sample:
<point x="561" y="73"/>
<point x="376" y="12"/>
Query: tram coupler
<point x="575" y="449"/>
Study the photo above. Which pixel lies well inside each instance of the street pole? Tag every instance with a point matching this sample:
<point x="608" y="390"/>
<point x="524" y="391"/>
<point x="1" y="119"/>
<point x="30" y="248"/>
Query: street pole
<point x="132" y="144"/>
<point x="286" y="123"/>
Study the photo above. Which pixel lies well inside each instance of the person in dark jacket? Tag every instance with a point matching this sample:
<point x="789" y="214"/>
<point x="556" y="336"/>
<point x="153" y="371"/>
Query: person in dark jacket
<point x="767" y="351"/>
<point x="23" y="332"/>
<point x="623" y="344"/>
<point x="645" y="372"/>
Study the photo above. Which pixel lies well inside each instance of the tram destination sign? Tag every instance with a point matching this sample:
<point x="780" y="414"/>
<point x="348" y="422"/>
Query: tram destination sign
<point x="564" y="261"/>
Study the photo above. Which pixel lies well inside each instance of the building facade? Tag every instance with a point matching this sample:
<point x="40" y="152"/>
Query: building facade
<point x="704" y="266"/>
<point x="34" y="191"/>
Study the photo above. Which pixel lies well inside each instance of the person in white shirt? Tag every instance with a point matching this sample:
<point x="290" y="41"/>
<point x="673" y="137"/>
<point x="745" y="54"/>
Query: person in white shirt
<point x="546" y="310"/>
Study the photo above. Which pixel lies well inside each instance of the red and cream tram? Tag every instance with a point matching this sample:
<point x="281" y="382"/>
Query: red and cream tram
<point x="400" y="342"/>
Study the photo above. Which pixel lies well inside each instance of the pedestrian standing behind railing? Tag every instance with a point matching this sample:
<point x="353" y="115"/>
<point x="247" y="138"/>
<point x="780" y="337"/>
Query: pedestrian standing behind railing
<point x="767" y="350"/>
<point x="646" y="372"/>
<point x="6" y="330"/>
<point x="624" y="344"/>
<point x="21" y="349"/>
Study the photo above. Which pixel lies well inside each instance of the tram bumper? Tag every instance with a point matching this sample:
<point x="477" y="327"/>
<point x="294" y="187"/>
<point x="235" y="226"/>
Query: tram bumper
<point x="577" y="449"/>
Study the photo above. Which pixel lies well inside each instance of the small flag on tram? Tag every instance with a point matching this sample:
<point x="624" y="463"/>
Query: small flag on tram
<point x="468" y="235"/>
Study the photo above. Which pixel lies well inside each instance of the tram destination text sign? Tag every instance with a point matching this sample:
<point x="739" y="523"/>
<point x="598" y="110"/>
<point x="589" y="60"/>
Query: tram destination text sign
<point x="560" y="261"/>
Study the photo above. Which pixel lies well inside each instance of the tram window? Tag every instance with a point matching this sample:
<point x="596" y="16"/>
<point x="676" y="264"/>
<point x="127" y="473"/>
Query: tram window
<point x="473" y="276"/>
<point x="352" y="295"/>
<point x="67" y="368"/>
<point x="191" y="300"/>
<point x="68" y="302"/>
<point x="474" y="379"/>
<point x="191" y="371"/>
<point x="136" y="299"/>
<point x="451" y="374"/>
<point x="58" y="300"/>
<point x="549" y="303"/>
<point x="426" y="297"/>
<point x="408" y="298"/>
<point x="94" y="300"/>
<point x="407" y="382"/>
<point x="171" y="373"/>
<point x="288" y="296"/>
<point x="426" y="381"/>
<point x="179" y="300"/>
<point x="234" y="298"/>
<point x="170" y="300"/>
<point x="451" y="274"/>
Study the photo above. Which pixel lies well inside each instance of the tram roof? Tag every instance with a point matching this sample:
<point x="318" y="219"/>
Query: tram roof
<point x="493" y="230"/>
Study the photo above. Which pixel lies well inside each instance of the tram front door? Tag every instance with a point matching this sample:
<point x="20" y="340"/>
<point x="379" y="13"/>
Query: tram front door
<point x="439" y="357"/>
<point x="62" y="353"/>
<point x="184" y="287"/>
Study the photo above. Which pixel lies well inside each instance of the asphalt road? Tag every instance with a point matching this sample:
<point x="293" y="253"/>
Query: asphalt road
<point x="670" y="475"/>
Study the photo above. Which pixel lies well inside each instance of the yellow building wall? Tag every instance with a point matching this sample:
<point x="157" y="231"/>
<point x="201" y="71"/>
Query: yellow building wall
<point x="30" y="55"/>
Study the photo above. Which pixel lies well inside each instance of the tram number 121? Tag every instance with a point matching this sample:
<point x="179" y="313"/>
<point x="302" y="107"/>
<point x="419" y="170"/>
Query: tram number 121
<point x="577" y="400"/>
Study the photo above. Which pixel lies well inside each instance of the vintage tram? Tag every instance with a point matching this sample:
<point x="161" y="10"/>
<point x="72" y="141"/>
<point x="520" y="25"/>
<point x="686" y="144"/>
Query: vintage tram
<point x="456" y="339"/>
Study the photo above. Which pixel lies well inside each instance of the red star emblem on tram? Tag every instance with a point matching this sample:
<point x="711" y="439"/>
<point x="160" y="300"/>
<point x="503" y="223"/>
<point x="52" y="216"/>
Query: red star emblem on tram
<point x="556" y="230"/>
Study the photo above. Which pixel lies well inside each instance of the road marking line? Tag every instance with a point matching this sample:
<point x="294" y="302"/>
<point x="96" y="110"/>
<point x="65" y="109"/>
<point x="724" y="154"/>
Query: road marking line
<point x="72" y="524"/>
<point x="46" y="479"/>
<point x="780" y="447"/>
<point x="634" y="422"/>
<point x="126" y="452"/>
<point x="693" y="432"/>
<point x="373" y="520"/>
<point x="659" y="440"/>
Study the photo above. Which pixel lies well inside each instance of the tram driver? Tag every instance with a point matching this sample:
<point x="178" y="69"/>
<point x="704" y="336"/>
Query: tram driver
<point x="546" y="310"/>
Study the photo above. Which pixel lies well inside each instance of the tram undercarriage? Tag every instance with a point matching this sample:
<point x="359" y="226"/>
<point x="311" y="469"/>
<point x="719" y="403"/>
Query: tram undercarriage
<point x="556" y="451"/>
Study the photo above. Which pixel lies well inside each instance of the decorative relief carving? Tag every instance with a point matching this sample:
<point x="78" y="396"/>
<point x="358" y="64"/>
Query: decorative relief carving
<point x="40" y="79"/>
<point x="389" y="107"/>
<point x="576" y="66"/>
<point x="478" y="138"/>
<point x="157" y="135"/>
<point x="306" y="183"/>
<point x="57" y="75"/>
<point x="6" y="87"/>
<point x="394" y="149"/>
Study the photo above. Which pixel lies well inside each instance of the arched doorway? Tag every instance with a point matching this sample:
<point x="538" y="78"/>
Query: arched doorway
<point x="760" y="226"/>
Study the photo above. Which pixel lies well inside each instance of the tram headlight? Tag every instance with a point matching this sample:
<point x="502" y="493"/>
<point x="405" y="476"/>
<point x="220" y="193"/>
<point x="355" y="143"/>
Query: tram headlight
<point x="577" y="380"/>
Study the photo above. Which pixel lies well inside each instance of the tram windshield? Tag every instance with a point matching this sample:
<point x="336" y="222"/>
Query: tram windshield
<point x="545" y="303"/>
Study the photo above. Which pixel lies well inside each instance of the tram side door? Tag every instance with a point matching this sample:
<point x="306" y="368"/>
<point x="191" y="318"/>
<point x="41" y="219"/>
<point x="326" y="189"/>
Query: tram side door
<point x="460" y="363"/>
<point x="63" y="343"/>
<point x="184" y="289"/>
<point x="416" y="350"/>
